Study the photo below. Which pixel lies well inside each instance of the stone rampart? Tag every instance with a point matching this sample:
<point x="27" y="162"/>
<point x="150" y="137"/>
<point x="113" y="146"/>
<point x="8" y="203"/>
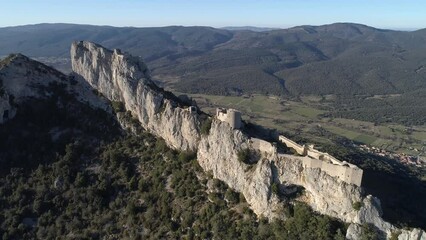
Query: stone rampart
<point x="343" y="172"/>
<point x="291" y="144"/>
<point x="263" y="146"/>
<point x="314" y="158"/>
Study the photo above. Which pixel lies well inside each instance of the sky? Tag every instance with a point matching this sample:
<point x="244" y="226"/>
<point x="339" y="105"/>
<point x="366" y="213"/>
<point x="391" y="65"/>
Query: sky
<point x="391" y="14"/>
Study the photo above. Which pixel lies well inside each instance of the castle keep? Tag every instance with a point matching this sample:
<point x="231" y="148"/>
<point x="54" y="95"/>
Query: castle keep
<point x="231" y="116"/>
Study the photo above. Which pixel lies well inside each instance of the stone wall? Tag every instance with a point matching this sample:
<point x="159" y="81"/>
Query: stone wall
<point x="316" y="159"/>
<point x="231" y="116"/>
<point x="263" y="146"/>
<point x="291" y="144"/>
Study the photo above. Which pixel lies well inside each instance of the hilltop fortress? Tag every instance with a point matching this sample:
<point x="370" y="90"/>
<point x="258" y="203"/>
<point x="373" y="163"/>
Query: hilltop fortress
<point x="311" y="158"/>
<point x="331" y="186"/>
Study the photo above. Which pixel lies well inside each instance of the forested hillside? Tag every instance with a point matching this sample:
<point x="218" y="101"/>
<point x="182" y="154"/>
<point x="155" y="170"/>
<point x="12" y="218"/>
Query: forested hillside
<point x="340" y="58"/>
<point x="353" y="62"/>
<point x="70" y="170"/>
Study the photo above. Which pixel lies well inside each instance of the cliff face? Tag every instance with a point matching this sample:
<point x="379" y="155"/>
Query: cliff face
<point x="218" y="152"/>
<point x="124" y="78"/>
<point x="324" y="193"/>
<point x="121" y="77"/>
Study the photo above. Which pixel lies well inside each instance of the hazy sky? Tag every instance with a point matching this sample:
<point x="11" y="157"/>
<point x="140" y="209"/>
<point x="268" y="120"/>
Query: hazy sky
<point x="396" y="14"/>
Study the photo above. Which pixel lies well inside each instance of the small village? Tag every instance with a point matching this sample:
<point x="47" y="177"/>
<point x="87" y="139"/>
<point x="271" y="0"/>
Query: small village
<point x="403" y="158"/>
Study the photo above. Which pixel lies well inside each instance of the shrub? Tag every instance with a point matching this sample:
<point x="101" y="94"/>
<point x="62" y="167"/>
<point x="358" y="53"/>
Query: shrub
<point x="368" y="232"/>
<point x="244" y="155"/>
<point x="357" y="205"/>
<point x="205" y="126"/>
<point x="275" y="188"/>
<point x="186" y="156"/>
<point x="394" y="235"/>
<point x="118" y="106"/>
<point x="232" y="196"/>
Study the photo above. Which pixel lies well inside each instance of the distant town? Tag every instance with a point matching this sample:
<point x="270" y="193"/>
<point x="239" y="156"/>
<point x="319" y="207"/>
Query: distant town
<point x="403" y="158"/>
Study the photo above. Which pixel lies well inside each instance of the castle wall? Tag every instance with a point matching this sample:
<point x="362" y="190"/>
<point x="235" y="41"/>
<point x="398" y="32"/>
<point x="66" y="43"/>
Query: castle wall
<point x="311" y="152"/>
<point x="344" y="173"/>
<point x="328" y="157"/>
<point x="234" y="119"/>
<point x="291" y="144"/>
<point x="263" y="146"/>
<point x="231" y="116"/>
<point x="356" y="176"/>
<point x="332" y="166"/>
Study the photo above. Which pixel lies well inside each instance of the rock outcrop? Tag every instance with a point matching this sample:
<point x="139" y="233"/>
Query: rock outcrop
<point x="218" y="153"/>
<point x="124" y="78"/>
<point x="324" y="193"/>
<point x="22" y="78"/>
<point x="121" y="77"/>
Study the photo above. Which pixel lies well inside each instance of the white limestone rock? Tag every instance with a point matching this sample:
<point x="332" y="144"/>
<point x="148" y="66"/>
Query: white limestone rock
<point x="325" y="194"/>
<point x="353" y="232"/>
<point x="218" y="153"/>
<point x="415" y="234"/>
<point x="371" y="212"/>
<point x="122" y="77"/>
<point x="23" y="78"/>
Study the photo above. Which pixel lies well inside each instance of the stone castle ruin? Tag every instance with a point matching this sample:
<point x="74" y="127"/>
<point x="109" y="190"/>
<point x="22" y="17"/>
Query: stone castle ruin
<point x="231" y="116"/>
<point x="311" y="158"/>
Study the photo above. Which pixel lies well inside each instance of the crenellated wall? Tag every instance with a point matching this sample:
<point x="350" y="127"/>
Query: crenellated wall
<point x="316" y="159"/>
<point x="291" y="144"/>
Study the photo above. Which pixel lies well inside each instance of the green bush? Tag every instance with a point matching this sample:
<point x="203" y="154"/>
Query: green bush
<point x="118" y="106"/>
<point x="368" y="232"/>
<point x="357" y="205"/>
<point x="244" y="155"/>
<point x="232" y="196"/>
<point x="394" y="235"/>
<point x="275" y="188"/>
<point x="205" y="126"/>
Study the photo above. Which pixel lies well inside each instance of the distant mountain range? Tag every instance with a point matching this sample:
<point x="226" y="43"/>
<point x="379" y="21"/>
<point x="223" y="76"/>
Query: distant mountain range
<point x="249" y="28"/>
<point x="341" y="58"/>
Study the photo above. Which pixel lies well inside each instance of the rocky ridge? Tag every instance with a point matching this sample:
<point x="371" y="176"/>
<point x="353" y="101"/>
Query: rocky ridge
<point x="124" y="78"/>
<point x="121" y="77"/>
<point x="22" y="78"/>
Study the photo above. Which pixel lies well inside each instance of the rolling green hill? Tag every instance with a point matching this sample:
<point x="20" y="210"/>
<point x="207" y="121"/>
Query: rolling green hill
<point x="351" y="61"/>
